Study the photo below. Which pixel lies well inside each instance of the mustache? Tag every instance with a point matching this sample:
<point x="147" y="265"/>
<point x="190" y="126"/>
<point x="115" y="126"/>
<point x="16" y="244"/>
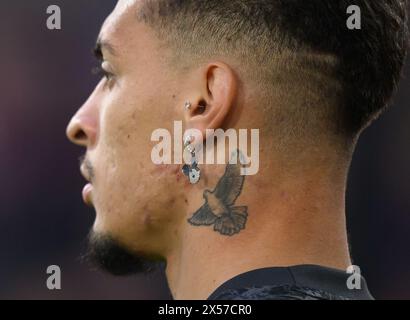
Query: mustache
<point x="84" y="161"/>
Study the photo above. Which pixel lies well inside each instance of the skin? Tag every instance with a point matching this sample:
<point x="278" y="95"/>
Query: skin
<point x="296" y="210"/>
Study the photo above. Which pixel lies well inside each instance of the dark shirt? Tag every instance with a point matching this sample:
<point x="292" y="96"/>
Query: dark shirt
<point x="305" y="282"/>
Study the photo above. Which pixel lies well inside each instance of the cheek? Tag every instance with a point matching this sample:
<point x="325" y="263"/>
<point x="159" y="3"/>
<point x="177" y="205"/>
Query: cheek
<point x="129" y="118"/>
<point x="124" y="140"/>
<point x="131" y="191"/>
<point x="128" y="182"/>
<point x="141" y="207"/>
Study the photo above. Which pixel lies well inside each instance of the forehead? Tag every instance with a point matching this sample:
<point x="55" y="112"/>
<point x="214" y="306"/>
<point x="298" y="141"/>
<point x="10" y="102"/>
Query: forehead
<point x="118" y="24"/>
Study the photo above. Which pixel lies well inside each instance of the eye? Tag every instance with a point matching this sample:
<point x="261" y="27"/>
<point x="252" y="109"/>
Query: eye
<point x="103" y="70"/>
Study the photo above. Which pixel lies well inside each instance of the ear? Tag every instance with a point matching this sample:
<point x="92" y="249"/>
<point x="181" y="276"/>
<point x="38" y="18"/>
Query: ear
<point x="217" y="87"/>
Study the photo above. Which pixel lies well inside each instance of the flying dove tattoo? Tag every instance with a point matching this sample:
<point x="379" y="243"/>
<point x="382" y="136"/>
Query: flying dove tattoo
<point x="219" y="209"/>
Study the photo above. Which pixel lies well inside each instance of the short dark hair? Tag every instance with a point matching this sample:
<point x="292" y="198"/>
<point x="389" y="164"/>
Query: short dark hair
<point x="366" y="63"/>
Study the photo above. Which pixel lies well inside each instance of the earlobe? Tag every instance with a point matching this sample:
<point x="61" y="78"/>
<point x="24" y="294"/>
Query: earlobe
<point x="219" y="92"/>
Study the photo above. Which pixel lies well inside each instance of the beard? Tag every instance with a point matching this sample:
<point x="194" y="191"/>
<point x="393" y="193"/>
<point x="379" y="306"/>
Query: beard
<point x="109" y="255"/>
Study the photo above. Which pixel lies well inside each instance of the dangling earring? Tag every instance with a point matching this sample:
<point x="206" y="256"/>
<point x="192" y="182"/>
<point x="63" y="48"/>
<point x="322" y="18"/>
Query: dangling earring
<point x="191" y="171"/>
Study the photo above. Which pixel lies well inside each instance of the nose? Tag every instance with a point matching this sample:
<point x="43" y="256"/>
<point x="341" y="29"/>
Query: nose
<point x="83" y="127"/>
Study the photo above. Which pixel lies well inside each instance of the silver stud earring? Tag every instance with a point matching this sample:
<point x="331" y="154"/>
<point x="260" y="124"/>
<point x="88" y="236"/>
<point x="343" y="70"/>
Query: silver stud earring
<point x="188" y="105"/>
<point x="191" y="171"/>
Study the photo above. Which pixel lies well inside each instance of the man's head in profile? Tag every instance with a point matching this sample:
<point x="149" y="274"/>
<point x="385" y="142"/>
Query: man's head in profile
<point x="291" y="69"/>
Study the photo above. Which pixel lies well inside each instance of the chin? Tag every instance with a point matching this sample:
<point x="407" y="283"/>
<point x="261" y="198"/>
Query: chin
<point x="109" y="255"/>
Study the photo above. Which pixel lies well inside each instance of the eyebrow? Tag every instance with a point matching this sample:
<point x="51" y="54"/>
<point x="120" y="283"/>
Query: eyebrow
<point x="102" y="45"/>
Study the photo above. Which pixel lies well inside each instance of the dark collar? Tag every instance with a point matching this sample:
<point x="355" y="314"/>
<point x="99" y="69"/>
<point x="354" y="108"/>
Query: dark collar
<point x="329" y="280"/>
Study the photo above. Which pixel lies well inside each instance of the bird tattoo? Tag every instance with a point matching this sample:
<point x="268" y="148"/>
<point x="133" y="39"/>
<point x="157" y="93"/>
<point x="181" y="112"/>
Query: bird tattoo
<point x="219" y="209"/>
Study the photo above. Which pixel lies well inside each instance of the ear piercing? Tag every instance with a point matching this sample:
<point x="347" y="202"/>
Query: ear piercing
<point x="188" y="105"/>
<point x="191" y="171"/>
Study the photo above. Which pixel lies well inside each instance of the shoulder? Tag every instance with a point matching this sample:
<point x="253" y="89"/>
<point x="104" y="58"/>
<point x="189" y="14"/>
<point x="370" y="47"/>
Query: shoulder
<point x="287" y="292"/>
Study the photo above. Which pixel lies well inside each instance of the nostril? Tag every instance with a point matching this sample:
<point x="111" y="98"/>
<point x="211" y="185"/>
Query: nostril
<point x="80" y="135"/>
<point x="82" y="132"/>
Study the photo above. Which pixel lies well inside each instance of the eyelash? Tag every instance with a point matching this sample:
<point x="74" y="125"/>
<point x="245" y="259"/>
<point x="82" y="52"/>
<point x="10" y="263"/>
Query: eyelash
<point x="108" y="76"/>
<point x="100" y="71"/>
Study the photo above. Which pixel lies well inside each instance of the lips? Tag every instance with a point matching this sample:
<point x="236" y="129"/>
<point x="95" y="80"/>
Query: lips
<point x="88" y="188"/>
<point x="84" y="173"/>
<point x="87" y="192"/>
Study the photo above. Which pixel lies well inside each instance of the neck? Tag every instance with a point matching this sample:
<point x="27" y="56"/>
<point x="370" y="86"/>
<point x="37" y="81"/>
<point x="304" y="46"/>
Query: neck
<point x="291" y="221"/>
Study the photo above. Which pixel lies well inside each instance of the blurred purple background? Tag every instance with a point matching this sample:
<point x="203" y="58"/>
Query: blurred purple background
<point x="46" y="76"/>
